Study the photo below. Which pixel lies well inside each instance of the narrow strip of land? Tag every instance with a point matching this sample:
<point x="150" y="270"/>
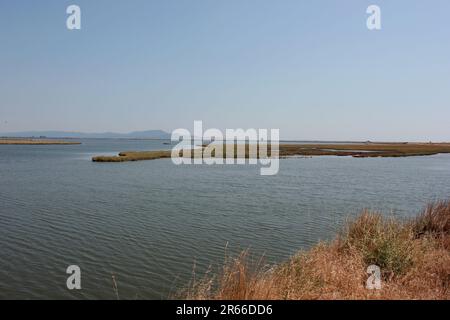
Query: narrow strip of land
<point x="357" y="150"/>
<point x="13" y="141"/>
<point x="133" y="156"/>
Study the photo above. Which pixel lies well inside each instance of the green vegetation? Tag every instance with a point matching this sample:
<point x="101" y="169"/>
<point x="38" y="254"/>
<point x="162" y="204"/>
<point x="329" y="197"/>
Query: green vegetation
<point x="382" y="242"/>
<point x="414" y="257"/>
<point x="358" y="150"/>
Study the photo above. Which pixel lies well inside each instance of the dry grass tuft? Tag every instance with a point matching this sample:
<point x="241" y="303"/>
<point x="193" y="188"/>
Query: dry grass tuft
<point x="434" y="221"/>
<point x="413" y="255"/>
<point x="241" y="277"/>
<point x="381" y="241"/>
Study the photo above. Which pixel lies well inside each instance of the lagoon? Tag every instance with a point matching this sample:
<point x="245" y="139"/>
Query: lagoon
<point x="149" y="223"/>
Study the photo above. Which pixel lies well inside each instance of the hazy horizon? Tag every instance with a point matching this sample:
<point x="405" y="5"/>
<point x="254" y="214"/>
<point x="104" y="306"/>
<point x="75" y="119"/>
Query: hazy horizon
<point x="312" y="70"/>
<point x="11" y="135"/>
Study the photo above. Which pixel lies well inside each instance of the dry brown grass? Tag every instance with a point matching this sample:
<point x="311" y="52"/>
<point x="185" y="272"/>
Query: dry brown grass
<point x="357" y="150"/>
<point x="365" y="150"/>
<point x="413" y="255"/>
<point x="133" y="156"/>
<point x="434" y="220"/>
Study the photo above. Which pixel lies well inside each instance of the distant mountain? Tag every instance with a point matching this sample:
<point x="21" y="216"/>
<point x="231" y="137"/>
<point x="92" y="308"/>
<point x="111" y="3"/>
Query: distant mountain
<point x="149" y="134"/>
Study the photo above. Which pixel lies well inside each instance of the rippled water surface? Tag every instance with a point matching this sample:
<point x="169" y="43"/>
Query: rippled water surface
<point x="150" y="222"/>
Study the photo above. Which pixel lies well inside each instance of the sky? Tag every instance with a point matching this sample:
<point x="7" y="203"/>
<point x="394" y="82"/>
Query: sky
<point x="310" y="68"/>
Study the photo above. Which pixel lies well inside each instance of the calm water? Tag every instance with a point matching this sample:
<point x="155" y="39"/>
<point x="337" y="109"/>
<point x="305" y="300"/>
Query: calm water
<point x="149" y="222"/>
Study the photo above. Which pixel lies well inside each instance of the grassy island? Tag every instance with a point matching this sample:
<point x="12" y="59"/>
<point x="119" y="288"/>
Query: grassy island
<point x="357" y="150"/>
<point x="133" y="156"/>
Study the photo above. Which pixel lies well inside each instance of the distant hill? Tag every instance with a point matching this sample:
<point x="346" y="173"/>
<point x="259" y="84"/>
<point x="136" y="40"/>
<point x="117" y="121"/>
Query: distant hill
<point x="149" y="134"/>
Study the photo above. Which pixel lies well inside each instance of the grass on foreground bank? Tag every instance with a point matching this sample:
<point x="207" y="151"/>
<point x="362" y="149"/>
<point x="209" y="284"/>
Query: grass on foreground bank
<point x="360" y="150"/>
<point x="15" y="141"/>
<point x="414" y="257"/>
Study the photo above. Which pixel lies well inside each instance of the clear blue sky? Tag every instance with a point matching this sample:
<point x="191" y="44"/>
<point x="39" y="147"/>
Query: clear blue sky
<point x="308" y="67"/>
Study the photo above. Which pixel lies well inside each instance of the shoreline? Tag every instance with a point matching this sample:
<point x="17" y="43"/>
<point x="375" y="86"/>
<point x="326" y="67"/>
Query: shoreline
<point x="39" y="141"/>
<point x="412" y="257"/>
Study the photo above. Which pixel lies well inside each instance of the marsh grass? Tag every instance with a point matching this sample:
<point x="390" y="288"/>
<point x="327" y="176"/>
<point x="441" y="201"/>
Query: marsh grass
<point x="434" y="221"/>
<point x="365" y="150"/>
<point x="133" y="156"/>
<point x="247" y="151"/>
<point x="413" y="256"/>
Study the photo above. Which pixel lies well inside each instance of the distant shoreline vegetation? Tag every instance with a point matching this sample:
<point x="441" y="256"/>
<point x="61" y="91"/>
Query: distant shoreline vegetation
<point x="148" y="134"/>
<point x="35" y="141"/>
<point x="357" y="150"/>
